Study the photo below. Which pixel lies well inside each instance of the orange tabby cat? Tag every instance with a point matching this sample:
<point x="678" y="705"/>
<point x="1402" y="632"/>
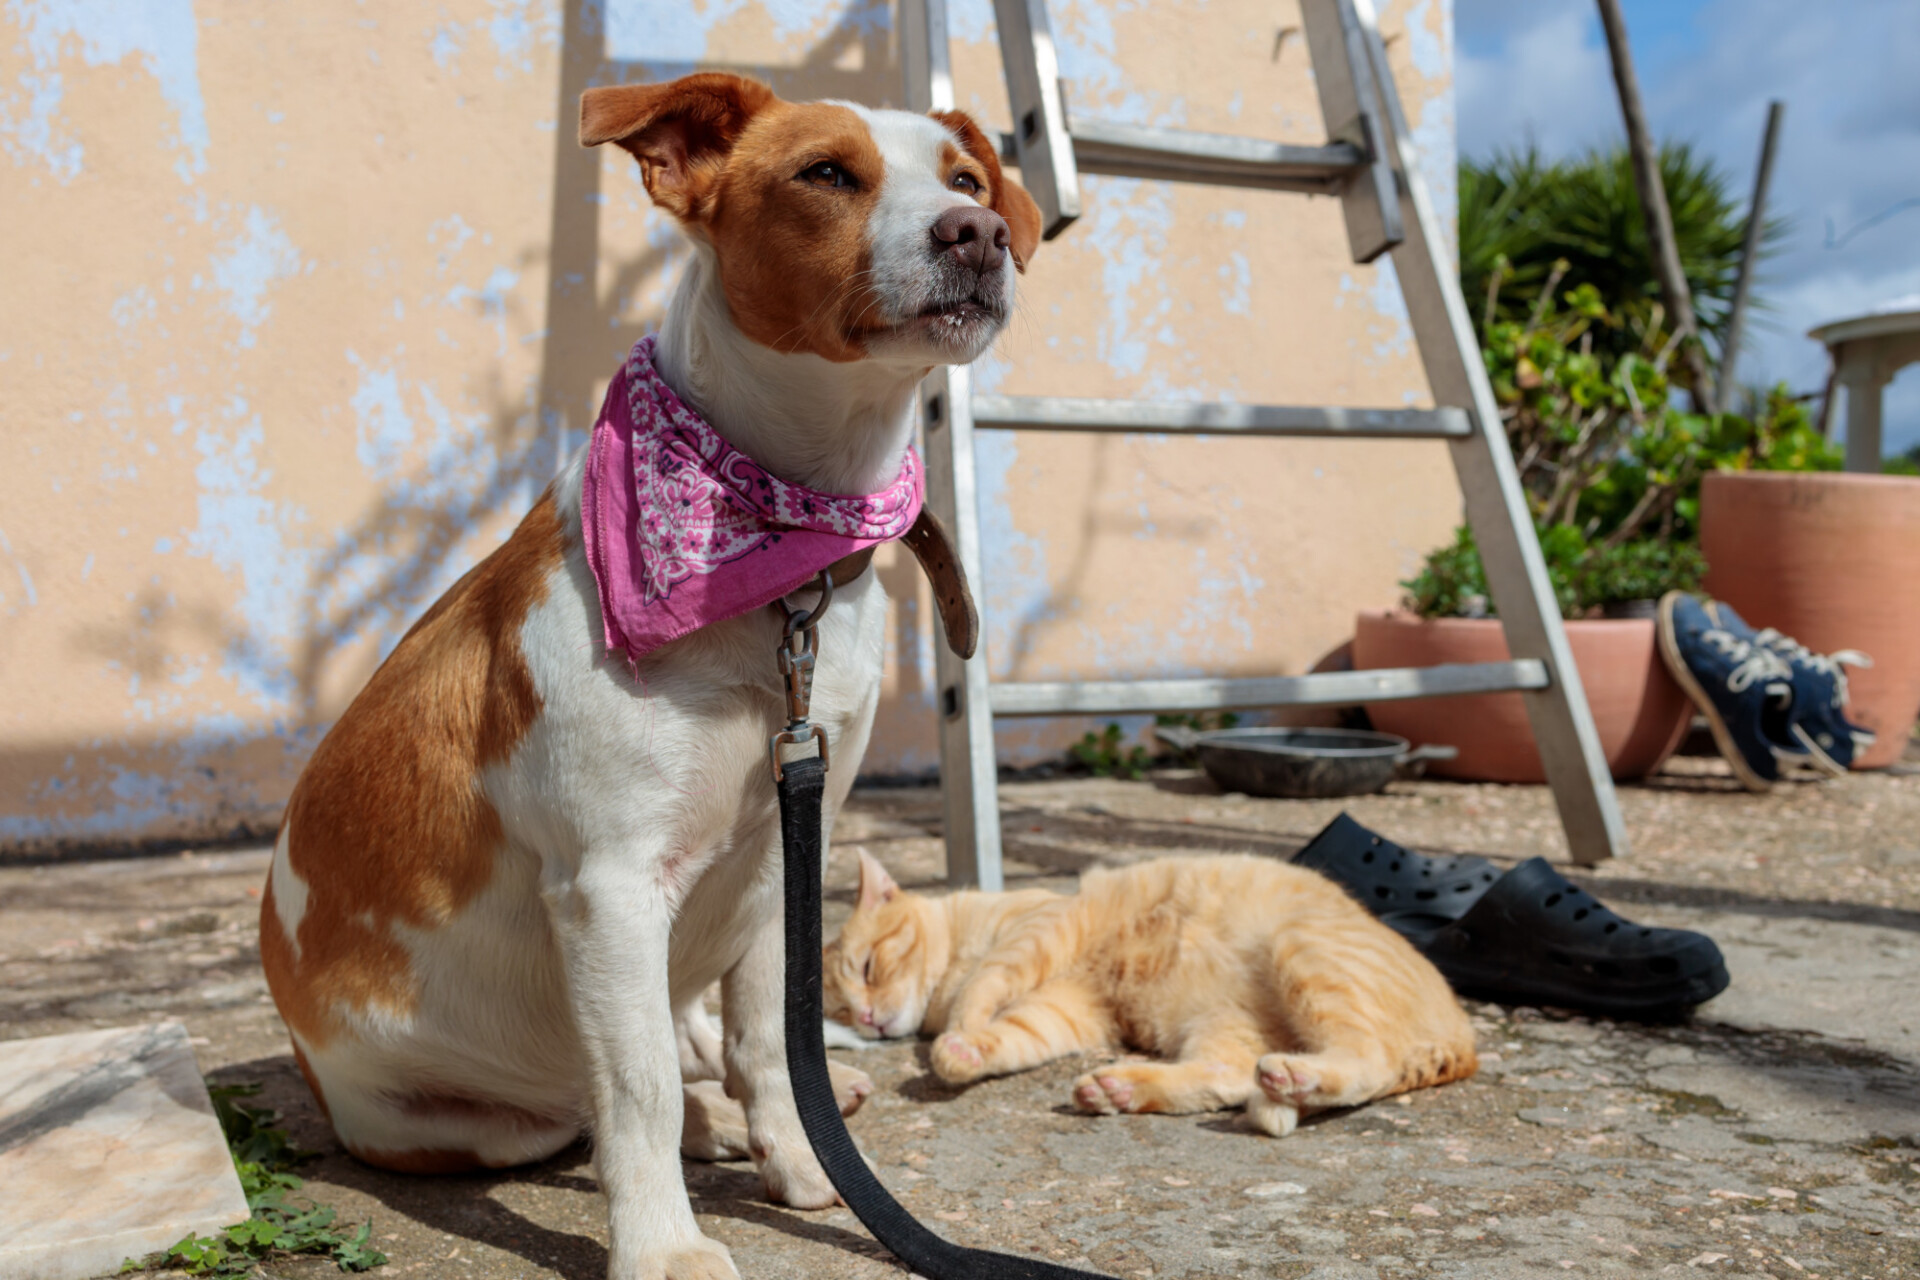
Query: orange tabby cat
<point x="1264" y="984"/>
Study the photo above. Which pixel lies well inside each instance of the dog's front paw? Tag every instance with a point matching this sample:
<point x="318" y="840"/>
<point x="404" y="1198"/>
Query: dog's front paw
<point x="851" y="1086"/>
<point x="702" y="1259"/>
<point x="957" y="1058"/>
<point x="793" y="1177"/>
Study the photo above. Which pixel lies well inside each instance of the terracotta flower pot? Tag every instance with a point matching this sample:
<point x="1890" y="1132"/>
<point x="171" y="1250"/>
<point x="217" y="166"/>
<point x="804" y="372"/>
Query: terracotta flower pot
<point x="1640" y="712"/>
<point x="1833" y="560"/>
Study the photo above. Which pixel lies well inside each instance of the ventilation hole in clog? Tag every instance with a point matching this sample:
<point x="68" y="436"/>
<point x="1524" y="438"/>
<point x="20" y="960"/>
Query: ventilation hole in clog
<point x="1381" y="891"/>
<point x="1664" y="964"/>
<point x="1646" y="933"/>
<point x="1607" y="969"/>
<point x="1553" y="901"/>
<point x="1581" y="914"/>
<point x="1394" y="865"/>
<point x="1463" y="888"/>
<point x="1426" y="872"/>
<point x="1612" y="925"/>
<point x="1367" y="856"/>
<point x="1426" y="895"/>
<point x="1486" y="877"/>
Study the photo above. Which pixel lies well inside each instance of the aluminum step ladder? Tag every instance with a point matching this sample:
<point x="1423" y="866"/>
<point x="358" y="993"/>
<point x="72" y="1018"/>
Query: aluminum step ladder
<point x="1369" y="164"/>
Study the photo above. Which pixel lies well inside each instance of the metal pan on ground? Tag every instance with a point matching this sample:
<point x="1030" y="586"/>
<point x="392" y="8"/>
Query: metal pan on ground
<point x="1304" y="764"/>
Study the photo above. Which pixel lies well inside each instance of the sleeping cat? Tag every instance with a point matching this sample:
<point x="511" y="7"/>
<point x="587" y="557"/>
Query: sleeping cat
<point x="1263" y="984"/>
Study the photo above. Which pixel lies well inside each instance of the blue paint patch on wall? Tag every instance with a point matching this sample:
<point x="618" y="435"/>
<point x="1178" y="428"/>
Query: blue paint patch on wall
<point x="161" y="34"/>
<point x="245" y="534"/>
<point x="383" y="430"/>
<point x="1015" y="584"/>
<point x="662" y="35"/>
<point x="1435" y="136"/>
<point x="26" y="595"/>
<point x="516" y="26"/>
<point x="658" y="33"/>
<point x="249" y="265"/>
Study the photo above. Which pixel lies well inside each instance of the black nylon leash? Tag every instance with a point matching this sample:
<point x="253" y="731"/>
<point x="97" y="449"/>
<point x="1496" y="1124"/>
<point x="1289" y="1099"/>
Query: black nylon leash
<point x="802" y="784"/>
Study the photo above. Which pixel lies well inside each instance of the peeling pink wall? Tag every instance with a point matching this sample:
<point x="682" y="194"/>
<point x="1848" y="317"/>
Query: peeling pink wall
<point x="303" y="304"/>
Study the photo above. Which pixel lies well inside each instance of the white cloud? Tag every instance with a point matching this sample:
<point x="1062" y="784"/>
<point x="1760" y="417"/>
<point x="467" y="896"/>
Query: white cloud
<point x="1544" y="83"/>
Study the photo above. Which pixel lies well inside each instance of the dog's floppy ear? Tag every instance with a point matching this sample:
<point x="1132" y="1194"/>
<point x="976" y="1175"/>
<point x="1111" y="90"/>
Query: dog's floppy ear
<point x="1010" y="199"/>
<point x="680" y="132"/>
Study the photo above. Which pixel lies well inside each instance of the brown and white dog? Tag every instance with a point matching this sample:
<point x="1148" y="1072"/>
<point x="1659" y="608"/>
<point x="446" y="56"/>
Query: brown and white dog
<point x="512" y="868"/>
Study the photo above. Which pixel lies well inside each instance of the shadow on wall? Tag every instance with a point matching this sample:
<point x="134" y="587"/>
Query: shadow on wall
<point x="370" y="579"/>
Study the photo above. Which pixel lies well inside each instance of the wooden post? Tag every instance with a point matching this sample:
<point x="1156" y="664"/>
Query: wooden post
<point x="1750" y="248"/>
<point x="1653" y="204"/>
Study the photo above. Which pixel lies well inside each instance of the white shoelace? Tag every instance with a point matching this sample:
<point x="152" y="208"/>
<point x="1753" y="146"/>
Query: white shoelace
<point x="1752" y="663"/>
<point x="1826" y="664"/>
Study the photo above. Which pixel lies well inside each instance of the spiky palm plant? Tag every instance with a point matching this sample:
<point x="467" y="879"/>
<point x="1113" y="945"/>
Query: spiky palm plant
<point x="1520" y="216"/>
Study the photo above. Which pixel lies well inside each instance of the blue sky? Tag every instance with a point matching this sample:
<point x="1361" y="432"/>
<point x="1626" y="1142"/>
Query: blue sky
<point x="1849" y="72"/>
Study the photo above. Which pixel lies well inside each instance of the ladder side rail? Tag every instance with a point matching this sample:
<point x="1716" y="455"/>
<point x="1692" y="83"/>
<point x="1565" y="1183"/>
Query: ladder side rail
<point x="969" y="768"/>
<point x="1042" y="145"/>
<point x="926" y="57"/>
<point x="1496" y="506"/>
<point x="969" y="774"/>
<point x="1337" y="49"/>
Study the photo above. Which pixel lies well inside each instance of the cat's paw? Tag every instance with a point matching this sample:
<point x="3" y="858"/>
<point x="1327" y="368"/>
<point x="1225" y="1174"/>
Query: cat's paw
<point x="957" y="1059"/>
<point x="1118" y="1088"/>
<point x="1275" y="1119"/>
<point x="1101" y="1095"/>
<point x="1287" y="1081"/>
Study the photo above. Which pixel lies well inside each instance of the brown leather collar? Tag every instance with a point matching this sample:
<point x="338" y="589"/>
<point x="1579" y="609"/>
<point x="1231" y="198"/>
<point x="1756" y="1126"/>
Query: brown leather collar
<point x="934" y="550"/>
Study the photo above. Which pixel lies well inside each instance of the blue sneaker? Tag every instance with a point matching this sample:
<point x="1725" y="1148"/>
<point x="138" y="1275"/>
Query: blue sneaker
<point x="1743" y="688"/>
<point x="1818" y="722"/>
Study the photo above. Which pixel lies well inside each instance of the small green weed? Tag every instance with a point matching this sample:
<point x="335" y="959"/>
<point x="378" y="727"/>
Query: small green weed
<point x="264" y="1157"/>
<point x="1103" y="755"/>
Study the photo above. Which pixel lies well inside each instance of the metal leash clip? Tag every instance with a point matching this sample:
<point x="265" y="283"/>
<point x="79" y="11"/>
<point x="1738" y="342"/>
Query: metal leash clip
<point x="798" y="645"/>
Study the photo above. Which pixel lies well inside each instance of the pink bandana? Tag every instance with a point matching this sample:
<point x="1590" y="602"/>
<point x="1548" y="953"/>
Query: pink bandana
<point x="683" y="530"/>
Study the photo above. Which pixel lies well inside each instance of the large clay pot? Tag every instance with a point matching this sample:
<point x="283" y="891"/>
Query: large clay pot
<point x="1833" y="560"/>
<point x="1640" y="712"/>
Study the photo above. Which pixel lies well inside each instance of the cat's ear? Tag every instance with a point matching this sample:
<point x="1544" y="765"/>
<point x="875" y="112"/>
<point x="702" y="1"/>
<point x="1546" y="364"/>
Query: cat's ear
<point x="876" y="886"/>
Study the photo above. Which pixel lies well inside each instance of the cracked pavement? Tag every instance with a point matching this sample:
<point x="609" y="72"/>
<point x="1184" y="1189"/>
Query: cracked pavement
<point x="1777" y="1133"/>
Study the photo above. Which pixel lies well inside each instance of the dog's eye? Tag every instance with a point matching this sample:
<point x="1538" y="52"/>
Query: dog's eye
<point x="966" y="182"/>
<point x="827" y="174"/>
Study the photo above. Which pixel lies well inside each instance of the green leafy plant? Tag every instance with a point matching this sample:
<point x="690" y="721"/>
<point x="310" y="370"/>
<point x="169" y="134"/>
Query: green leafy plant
<point x="1523" y="218"/>
<point x="1644" y="570"/>
<point x="1599" y="443"/>
<point x="1905" y="464"/>
<point x="1452" y="582"/>
<point x="1106" y="755"/>
<point x="264" y="1157"/>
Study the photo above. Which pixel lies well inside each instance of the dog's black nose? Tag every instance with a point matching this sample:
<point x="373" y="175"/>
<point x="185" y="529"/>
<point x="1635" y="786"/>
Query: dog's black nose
<point x="975" y="235"/>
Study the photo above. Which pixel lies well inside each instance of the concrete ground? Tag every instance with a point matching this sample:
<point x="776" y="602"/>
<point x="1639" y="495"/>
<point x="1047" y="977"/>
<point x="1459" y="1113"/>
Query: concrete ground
<point x="1776" y="1134"/>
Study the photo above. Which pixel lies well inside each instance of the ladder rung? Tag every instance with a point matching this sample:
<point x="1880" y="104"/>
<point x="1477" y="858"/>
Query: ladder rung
<point x="1177" y="417"/>
<point x="1338" y="688"/>
<point x="1132" y="151"/>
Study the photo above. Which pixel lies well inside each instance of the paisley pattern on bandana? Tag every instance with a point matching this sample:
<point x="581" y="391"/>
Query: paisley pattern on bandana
<point x="683" y="530"/>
